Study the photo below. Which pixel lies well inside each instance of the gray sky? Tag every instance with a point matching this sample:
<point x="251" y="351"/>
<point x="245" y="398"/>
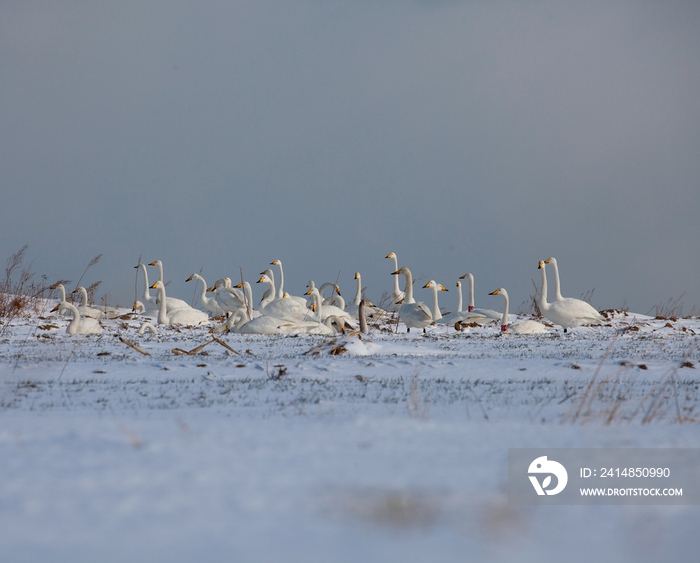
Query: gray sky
<point x="475" y="136"/>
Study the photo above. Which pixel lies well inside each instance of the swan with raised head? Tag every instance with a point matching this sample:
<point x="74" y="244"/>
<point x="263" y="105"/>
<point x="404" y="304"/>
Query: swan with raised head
<point x="436" y="287"/>
<point x="396" y="293"/>
<point x="569" y="312"/>
<point x="281" y="308"/>
<point x="413" y="315"/>
<point x="490" y="314"/>
<point x="557" y="286"/>
<point x="460" y="316"/>
<point x="78" y="324"/>
<point x="324" y="311"/>
<point x="280" y="286"/>
<point x="521" y="327"/>
<point x="209" y="303"/>
<point x="87" y="311"/>
<point x="173" y="302"/>
<point x="186" y="317"/>
<point x="370" y="310"/>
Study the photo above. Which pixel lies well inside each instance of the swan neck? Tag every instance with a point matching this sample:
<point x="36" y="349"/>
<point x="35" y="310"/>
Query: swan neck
<point x="397" y="290"/>
<point x="358" y="294"/>
<point x="557" y="286"/>
<point x="471" y="292"/>
<point x="504" y="319"/>
<point x="459" y="298"/>
<point x="544" y="306"/>
<point x="436" y="307"/>
<point x="408" y="290"/>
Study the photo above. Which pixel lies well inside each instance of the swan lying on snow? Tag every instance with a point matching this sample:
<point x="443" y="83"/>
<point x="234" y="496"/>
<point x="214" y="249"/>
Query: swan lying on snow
<point x="78" y="325"/>
<point x="490" y="314"/>
<point x="568" y="312"/>
<point x="186" y="317"/>
<point x="413" y="315"/>
<point x="522" y="327"/>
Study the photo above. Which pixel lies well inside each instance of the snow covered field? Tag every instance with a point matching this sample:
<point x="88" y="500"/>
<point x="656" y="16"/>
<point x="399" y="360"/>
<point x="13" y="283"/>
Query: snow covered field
<point x="393" y="449"/>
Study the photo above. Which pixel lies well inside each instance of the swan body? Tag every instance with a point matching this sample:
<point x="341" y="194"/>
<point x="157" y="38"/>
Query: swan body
<point x="78" y="325"/>
<point x="568" y="312"/>
<point x="413" y="315"/>
<point x="396" y="293"/>
<point x="521" y="327"/>
<point x="186" y="317"/>
<point x="209" y="303"/>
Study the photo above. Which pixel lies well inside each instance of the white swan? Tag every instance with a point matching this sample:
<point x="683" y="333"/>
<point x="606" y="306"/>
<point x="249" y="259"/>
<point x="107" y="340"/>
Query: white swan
<point x="281" y="308"/>
<point x="460" y="316"/>
<point x="413" y="315"/>
<point x="324" y="311"/>
<point x="522" y="327"/>
<point x="280" y="290"/>
<point x="146" y="326"/>
<point x="557" y="286"/>
<point x="85" y="310"/>
<point x="490" y="314"/>
<point x="150" y="302"/>
<point x="172" y="302"/>
<point x="370" y="310"/>
<point x="396" y="293"/>
<point x="209" y="303"/>
<point x="432" y="284"/>
<point x="187" y="317"/>
<point x="568" y="312"/>
<point x="78" y="325"/>
<point x="62" y="292"/>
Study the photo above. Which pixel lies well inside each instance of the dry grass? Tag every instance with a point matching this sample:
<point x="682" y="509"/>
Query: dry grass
<point x="20" y="294"/>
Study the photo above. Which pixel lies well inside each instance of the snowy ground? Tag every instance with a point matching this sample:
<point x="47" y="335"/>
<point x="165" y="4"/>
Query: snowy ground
<point x="393" y="450"/>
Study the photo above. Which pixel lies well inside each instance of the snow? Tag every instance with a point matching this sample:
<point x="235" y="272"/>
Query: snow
<point x="394" y="449"/>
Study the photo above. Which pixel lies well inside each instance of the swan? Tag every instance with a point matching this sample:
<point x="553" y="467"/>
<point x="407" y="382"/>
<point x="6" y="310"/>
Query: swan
<point x="78" y="325"/>
<point x="370" y="310"/>
<point x="229" y="299"/>
<point x="172" y="302"/>
<point x="84" y="309"/>
<point x="413" y="315"/>
<point x="490" y="314"/>
<point x="248" y="293"/>
<point x="396" y="294"/>
<point x="325" y="311"/>
<point x="187" y="317"/>
<point x="209" y="303"/>
<point x="280" y="290"/>
<point x="432" y="284"/>
<point x="150" y="302"/>
<point x="522" y="327"/>
<point x="557" y="287"/>
<point x="460" y="316"/>
<point x="62" y="291"/>
<point x="287" y="309"/>
<point x="568" y="312"/>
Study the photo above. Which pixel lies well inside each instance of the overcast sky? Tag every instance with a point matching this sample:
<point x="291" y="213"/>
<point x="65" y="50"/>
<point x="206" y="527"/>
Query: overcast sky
<point x="475" y="136"/>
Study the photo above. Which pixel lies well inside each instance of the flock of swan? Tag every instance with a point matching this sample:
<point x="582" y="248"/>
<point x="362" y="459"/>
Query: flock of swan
<point x="278" y="312"/>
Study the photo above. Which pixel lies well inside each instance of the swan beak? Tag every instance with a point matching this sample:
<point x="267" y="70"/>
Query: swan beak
<point x="190" y="278"/>
<point x="239" y="285"/>
<point x="396" y="273"/>
<point x="390" y="255"/>
<point x="154" y="286"/>
<point x="426" y="285"/>
<point x="494" y="293"/>
<point x="540" y="265"/>
<point x="313" y="307"/>
<point x="443" y="288"/>
<point x="308" y="292"/>
<point x="261" y="280"/>
<point x="357" y="275"/>
<point x="55" y="308"/>
<point x="75" y="290"/>
<point x="274" y="263"/>
<point x="152" y="263"/>
<point x="548" y="260"/>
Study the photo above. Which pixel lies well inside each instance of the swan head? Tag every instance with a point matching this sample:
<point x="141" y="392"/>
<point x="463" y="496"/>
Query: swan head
<point x="390" y="255"/>
<point x="155" y="263"/>
<point x="157" y="285"/>
<point x="399" y="271"/>
<point x="550" y="259"/>
<point x="458" y="284"/>
<point x="275" y="263"/>
<point x="191" y="277"/>
<point x="499" y="291"/>
<point x="55" y="308"/>
<point x="357" y="275"/>
<point x="264" y="278"/>
<point x="540" y="266"/>
<point x="465" y="276"/>
<point x="438" y="286"/>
